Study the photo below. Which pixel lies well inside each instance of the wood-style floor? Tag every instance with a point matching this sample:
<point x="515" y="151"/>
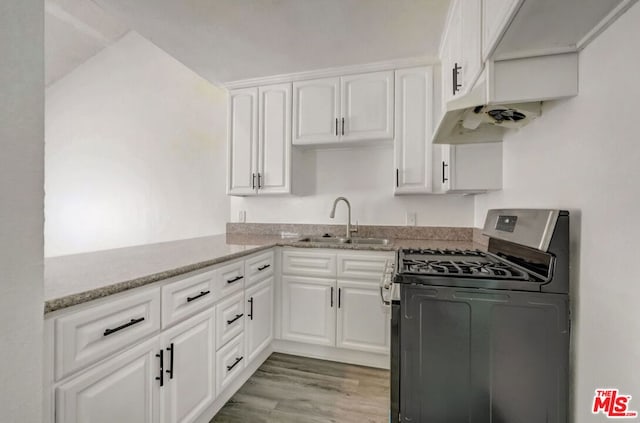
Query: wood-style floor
<point x="291" y="389"/>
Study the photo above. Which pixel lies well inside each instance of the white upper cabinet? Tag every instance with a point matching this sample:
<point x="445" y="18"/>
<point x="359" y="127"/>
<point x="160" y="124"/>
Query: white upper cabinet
<point x="412" y="141"/>
<point x="316" y="110"/>
<point x="345" y="109"/>
<point x="367" y="106"/>
<point x="467" y="168"/>
<point x="496" y="15"/>
<point x="274" y="139"/>
<point x="461" y="48"/>
<point x="243" y="141"/>
<point x="259" y="148"/>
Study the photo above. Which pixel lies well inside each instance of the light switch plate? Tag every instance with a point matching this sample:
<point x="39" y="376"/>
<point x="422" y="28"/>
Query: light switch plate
<point x="242" y="216"/>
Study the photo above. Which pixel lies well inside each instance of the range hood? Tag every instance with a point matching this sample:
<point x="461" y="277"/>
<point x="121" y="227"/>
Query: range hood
<point x="507" y="95"/>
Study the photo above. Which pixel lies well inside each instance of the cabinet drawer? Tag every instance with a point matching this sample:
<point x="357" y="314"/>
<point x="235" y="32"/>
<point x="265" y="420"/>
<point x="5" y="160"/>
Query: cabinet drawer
<point x="369" y="267"/>
<point x="229" y="318"/>
<point x="259" y="267"/>
<point x="229" y="279"/>
<point x="230" y="361"/>
<point x="308" y="263"/>
<point x="186" y="297"/>
<point x="86" y="336"/>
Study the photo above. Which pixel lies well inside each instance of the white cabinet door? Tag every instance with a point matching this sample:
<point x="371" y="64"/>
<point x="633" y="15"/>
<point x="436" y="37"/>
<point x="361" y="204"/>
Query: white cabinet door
<point x="363" y="323"/>
<point x="496" y="16"/>
<point x="123" y="389"/>
<point x="259" y="321"/>
<point x="316" y="109"/>
<point x="412" y="142"/>
<point x="470" y="168"/>
<point x="461" y="53"/>
<point x="367" y="106"/>
<point x="242" y="147"/>
<point x="308" y="313"/>
<point x="450" y="54"/>
<point x="471" y="43"/>
<point x="189" y="385"/>
<point x="274" y="139"/>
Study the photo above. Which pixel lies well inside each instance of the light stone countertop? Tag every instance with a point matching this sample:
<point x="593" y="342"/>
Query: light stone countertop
<point x="75" y="279"/>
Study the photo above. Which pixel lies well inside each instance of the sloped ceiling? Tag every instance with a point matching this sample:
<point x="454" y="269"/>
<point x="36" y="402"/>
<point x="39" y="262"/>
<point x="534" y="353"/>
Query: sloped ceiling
<point x="75" y="30"/>
<point x="228" y="40"/>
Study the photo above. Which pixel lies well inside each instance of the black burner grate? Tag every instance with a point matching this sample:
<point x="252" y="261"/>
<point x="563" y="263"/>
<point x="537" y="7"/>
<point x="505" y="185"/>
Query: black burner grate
<point x="470" y="263"/>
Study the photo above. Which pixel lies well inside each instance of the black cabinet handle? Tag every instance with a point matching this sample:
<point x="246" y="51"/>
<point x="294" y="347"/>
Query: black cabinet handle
<point x="339" y="297"/>
<point x="237" y="278"/>
<point x="170" y="371"/>
<point x="336" y="127"/>
<point x="261" y="268"/>
<point x="160" y="355"/>
<point x="253" y="181"/>
<point x="132" y="322"/>
<point x="444" y="179"/>
<point x="331" y="296"/>
<point x="251" y="308"/>
<point x="397" y="178"/>
<point x="235" y="318"/>
<point x="456" y="72"/>
<point x="259" y="180"/>
<point x="238" y="360"/>
<point x="201" y="294"/>
<point x="342" y="126"/>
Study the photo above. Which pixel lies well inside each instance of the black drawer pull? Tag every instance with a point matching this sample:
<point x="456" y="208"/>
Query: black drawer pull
<point x="108" y="332"/>
<point x="237" y="278"/>
<point x="250" y="300"/>
<point x="160" y="355"/>
<point x="235" y="318"/>
<point x="170" y="371"/>
<point x="261" y="268"/>
<point x="201" y="294"/>
<point x="238" y="360"/>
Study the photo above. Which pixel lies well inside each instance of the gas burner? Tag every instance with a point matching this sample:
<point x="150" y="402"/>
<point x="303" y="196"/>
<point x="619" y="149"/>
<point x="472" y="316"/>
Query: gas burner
<point x="464" y="263"/>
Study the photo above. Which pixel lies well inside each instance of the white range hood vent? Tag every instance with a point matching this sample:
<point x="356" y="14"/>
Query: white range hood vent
<point x="507" y="95"/>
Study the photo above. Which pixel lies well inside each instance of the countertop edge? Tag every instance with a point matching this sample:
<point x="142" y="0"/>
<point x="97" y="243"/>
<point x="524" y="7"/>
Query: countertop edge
<point x="82" y="297"/>
<point x="71" y="300"/>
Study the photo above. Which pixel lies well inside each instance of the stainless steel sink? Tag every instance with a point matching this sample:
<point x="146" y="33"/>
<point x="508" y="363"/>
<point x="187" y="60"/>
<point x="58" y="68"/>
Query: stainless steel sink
<point x="337" y="240"/>
<point x="326" y="240"/>
<point x="370" y="241"/>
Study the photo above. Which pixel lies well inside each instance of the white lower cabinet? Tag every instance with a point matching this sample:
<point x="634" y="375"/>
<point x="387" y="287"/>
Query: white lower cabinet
<point x="122" y="389"/>
<point x="230" y="360"/>
<point x="308" y="310"/>
<point x="335" y="312"/>
<point x="189" y="372"/>
<point x="259" y="321"/>
<point x="363" y="323"/>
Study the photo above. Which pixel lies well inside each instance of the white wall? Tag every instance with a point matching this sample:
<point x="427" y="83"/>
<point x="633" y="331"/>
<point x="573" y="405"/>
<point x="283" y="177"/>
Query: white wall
<point x="365" y="176"/>
<point x="135" y="152"/>
<point x="583" y="154"/>
<point x="21" y="209"/>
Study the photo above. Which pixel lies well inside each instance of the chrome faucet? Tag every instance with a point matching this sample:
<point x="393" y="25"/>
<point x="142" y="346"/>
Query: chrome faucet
<point x="333" y="215"/>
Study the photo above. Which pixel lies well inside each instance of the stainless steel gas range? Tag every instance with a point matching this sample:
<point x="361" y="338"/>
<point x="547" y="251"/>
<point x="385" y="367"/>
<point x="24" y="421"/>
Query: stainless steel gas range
<point x="484" y="336"/>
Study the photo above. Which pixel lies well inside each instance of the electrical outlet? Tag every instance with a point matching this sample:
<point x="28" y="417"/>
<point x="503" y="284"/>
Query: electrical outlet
<point x="411" y="218"/>
<point x="242" y="216"/>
